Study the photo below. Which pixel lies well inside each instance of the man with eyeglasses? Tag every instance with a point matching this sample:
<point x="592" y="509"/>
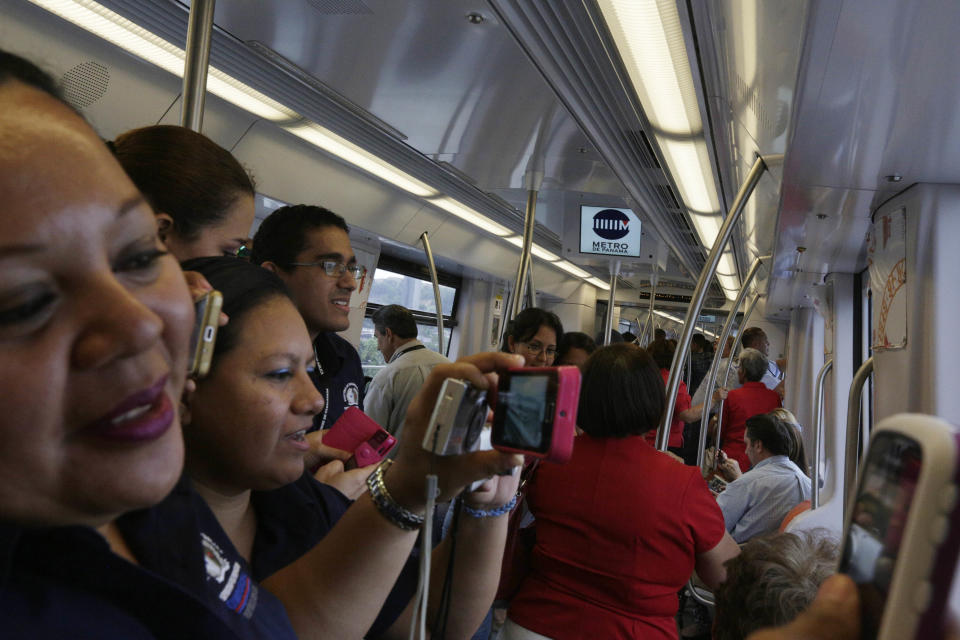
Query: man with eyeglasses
<point x="309" y="248"/>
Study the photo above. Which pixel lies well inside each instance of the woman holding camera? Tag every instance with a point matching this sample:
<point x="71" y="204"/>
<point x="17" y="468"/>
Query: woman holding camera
<point x="621" y="527"/>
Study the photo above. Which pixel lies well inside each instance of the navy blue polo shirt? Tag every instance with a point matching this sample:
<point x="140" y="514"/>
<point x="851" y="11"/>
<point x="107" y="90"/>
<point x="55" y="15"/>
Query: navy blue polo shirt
<point x="291" y="521"/>
<point x="181" y="540"/>
<point x="339" y="377"/>
<point x="66" y="583"/>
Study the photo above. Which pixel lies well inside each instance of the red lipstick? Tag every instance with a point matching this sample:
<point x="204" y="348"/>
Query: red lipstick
<point x="142" y="416"/>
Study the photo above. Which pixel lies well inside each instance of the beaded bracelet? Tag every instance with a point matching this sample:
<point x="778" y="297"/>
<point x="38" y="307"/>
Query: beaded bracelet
<point x="387" y="506"/>
<point x="492" y="513"/>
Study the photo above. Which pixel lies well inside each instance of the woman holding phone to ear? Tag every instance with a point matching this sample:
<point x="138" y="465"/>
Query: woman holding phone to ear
<point x="244" y="427"/>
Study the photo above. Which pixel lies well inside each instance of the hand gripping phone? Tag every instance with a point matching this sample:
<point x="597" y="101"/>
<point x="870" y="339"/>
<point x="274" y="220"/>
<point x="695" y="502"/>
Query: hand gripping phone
<point x="204" y="335"/>
<point x="902" y="535"/>
<point x="536" y="412"/>
<point x="355" y="431"/>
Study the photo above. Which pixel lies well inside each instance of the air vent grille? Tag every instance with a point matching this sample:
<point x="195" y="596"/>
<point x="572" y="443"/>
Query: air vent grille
<point x="85" y="83"/>
<point x="340" y="7"/>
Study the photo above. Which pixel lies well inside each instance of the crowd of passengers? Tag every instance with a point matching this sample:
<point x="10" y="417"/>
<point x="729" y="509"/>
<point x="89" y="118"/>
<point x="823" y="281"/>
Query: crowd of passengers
<point x="135" y="503"/>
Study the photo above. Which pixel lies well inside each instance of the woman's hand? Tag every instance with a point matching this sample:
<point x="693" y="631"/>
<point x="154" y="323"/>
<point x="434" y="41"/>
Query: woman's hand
<point x="494" y="492"/>
<point x="320" y="454"/>
<point x="406" y="479"/>
<point x="352" y="483"/>
<point x="199" y="287"/>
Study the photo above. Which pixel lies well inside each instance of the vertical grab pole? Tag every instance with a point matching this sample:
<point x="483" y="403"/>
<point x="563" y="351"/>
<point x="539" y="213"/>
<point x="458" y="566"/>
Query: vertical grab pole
<point x="608" y="320"/>
<point x="531" y="290"/>
<point x="734" y="351"/>
<point x="196" y="63"/>
<point x="519" y="288"/>
<point x="818" y="434"/>
<point x="425" y="239"/>
<point x="711" y="378"/>
<point x="853" y="433"/>
<point x="653" y="298"/>
<point x="700" y="293"/>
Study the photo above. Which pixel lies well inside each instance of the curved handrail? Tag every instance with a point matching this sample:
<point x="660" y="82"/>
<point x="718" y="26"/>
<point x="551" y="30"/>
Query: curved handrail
<point x="818" y="434"/>
<point x="734" y="352"/>
<point x="425" y="238"/>
<point x="700" y="294"/>
<point x="853" y="433"/>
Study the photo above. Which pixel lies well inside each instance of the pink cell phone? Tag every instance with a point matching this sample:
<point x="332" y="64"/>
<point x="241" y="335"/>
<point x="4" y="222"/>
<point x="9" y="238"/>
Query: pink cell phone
<point x="536" y="412"/>
<point x="355" y="431"/>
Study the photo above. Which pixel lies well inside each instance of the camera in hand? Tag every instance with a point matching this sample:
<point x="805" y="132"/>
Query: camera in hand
<point x="457" y="419"/>
<point x="536" y="412"/>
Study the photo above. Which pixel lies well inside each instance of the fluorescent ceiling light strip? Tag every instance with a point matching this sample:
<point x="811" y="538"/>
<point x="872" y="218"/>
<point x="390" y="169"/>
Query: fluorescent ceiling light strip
<point x="116" y="29"/>
<point x="360" y="158"/>
<point x="469" y="215"/>
<point x="600" y="284"/>
<point x="536" y="250"/>
<point x="572" y="269"/>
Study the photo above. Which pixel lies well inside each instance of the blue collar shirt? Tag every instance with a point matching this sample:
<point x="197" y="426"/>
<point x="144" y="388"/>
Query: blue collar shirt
<point x="759" y="500"/>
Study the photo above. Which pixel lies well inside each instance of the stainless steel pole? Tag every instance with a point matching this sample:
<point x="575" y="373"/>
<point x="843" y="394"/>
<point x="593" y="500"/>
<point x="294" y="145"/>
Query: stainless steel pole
<point x="853" y="433"/>
<point x="818" y="434"/>
<point x="653" y="297"/>
<point x="196" y="63"/>
<point x="531" y="290"/>
<point x="425" y="239"/>
<point x="700" y="293"/>
<point x="521" y="282"/>
<point x="711" y="378"/>
<point x="734" y="351"/>
<point x="608" y="320"/>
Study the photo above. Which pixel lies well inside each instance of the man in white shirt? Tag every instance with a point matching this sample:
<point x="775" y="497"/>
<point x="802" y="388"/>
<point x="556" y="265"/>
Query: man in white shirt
<point x="408" y="364"/>
<point x="757" y="501"/>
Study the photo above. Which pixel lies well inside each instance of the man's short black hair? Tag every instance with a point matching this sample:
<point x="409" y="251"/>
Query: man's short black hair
<point x="575" y="340"/>
<point x="283" y="234"/>
<point x="774" y="433"/>
<point x="659" y="334"/>
<point x="622" y="393"/>
<point x="700" y="340"/>
<point x="750" y="337"/>
<point x="396" y="318"/>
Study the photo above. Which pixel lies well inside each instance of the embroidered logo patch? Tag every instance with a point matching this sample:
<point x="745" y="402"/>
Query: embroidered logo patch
<point x="238" y="591"/>
<point x="351" y="395"/>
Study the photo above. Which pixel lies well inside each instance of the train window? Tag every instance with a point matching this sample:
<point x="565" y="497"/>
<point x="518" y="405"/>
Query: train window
<point x="408" y="284"/>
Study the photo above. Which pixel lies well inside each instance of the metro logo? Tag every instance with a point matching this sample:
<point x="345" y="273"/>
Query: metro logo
<point x="611" y="224"/>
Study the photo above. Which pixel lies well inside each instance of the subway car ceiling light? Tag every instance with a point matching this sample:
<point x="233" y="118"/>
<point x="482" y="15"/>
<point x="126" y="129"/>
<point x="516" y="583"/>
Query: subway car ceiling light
<point x="650" y="41"/>
<point x="130" y="37"/>
<point x="679" y="320"/>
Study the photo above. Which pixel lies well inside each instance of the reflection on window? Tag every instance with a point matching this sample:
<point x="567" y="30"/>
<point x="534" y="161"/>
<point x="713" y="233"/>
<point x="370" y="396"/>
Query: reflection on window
<point x="413" y="293"/>
<point x="372" y="359"/>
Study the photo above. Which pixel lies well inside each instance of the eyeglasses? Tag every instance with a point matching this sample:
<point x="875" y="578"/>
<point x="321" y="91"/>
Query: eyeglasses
<point x="535" y="349"/>
<point x="335" y="269"/>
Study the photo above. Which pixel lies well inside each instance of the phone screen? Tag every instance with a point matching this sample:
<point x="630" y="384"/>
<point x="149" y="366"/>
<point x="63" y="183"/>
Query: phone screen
<point x="525" y="408"/>
<point x="879" y="518"/>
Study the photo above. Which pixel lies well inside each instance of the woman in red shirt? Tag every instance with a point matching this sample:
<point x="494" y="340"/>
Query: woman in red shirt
<point x="751" y="399"/>
<point x="620" y="527"/>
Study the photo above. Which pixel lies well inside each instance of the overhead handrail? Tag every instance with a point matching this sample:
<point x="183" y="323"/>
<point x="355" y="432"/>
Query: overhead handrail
<point x="711" y="378"/>
<point x="608" y="318"/>
<point x="700" y="294"/>
<point x="818" y="433"/>
<point x="196" y="62"/>
<point x="853" y="432"/>
<point x="425" y="239"/>
<point x="734" y="353"/>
